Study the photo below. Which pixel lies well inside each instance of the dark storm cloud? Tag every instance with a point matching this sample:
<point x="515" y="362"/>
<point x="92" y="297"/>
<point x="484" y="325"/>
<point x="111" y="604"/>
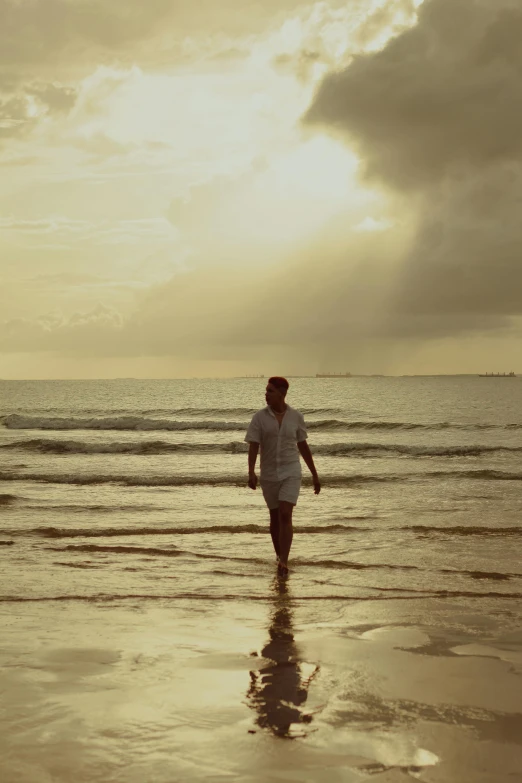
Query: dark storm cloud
<point x="466" y="260"/>
<point x="444" y="95"/>
<point x="436" y="118"/>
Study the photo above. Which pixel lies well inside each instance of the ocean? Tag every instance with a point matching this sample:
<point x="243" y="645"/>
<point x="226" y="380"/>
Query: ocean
<point x="128" y="499"/>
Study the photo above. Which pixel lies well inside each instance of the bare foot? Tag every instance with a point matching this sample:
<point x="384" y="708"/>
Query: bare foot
<point x="282" y="569"/>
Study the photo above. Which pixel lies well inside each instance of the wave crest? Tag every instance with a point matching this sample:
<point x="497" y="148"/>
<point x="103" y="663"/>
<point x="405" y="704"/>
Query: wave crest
<point x="140" y="423"/>
<point x="158" y="447"/>
<point x="178" y="481"/>
<point x="201" y="480"/>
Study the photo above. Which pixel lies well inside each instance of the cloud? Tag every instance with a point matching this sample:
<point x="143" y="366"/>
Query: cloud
<point x="464" y="268"/>
<point x="15" y="161"/>
<point x="58" y="98"/>
<point x="79" y="333"/>
<point x="36" y="33"/>
<point x="25" y="105"/>
<point x="48" y="46"/>
<point x="326" y="309"/>
<point x="45" y="225"/>
<point x="385" y="21"/>
<point x="280" y="203"/>
<point x="42" y="30"/>
<point x="148" y="231"/>
<point x="435" y="119"/>
<point x="14" y="117"/>
<point x="68" y="279"/>
<point x="329" y="36"/>
<point x="443" y="96"/>
<point x="191" y="315"/>
<point x="304" y="309"/>
<point x="433" y="258"/>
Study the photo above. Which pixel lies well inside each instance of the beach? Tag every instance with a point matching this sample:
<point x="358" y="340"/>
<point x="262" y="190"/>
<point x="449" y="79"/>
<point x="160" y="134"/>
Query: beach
<point x="147" y="637"/>
<point x="134" y="692"/>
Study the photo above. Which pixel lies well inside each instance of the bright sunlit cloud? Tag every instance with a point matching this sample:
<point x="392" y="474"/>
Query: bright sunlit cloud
<point x="371" y="224"/>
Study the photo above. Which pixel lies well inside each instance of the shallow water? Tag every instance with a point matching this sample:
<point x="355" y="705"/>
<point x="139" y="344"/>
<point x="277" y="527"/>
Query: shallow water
<point x="114" y="488"/>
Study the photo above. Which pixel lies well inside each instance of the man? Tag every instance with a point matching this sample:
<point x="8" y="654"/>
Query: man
<point x="281" y="433"/>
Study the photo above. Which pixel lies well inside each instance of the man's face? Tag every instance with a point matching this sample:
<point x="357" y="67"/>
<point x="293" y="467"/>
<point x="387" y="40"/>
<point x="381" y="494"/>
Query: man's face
<point x="273" y="396"/>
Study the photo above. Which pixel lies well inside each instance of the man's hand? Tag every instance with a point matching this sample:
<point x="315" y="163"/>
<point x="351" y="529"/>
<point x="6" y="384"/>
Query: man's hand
<point x="304" y="450"/>
<point x="253" y="449"/>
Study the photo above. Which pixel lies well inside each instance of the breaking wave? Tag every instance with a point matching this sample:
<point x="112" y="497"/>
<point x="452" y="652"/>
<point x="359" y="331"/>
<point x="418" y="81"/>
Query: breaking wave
<point x="110" y="532"/>
<point x="177" y="481"/>
<point x="158" y="447"/>
<point x="186" y="411"/>
<point x="328" y="529"/>
<point x="151" y="551"/>
<point x="142" y="423"/>
<point x="239" y="480"/>
<point x="463" y="530"/>
<point x="125" y="423"/>
<point x="47" y="446"/>
<point x="484" y="475"/>
<point x="121" y="550"/>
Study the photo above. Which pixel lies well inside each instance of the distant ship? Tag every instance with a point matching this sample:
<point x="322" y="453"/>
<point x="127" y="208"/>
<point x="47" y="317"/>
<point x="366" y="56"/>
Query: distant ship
<point x="333" y="375"/>
<point x="497" y="375"/>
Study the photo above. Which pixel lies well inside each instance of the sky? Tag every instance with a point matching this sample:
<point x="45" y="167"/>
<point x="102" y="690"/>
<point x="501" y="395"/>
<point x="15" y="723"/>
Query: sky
<point x="218" y="188"/>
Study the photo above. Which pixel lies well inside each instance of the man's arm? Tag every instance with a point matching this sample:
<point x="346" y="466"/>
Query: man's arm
<point x="253" y="450"/>
<point x="304" y="451"/>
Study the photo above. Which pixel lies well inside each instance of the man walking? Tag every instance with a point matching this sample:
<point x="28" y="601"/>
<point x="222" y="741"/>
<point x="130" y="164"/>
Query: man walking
<point x="281" y="433"/>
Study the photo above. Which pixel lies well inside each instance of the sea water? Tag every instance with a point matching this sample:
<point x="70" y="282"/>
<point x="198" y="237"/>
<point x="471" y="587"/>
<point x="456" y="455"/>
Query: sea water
<point x="138" y="488"/>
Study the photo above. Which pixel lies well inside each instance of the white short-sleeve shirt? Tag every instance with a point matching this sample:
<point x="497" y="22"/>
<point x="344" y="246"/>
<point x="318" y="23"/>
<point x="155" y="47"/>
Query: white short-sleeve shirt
<point x="279" y="453"/>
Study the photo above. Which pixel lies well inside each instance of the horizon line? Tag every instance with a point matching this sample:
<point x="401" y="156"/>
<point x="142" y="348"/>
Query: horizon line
<point x="265" y="377"/>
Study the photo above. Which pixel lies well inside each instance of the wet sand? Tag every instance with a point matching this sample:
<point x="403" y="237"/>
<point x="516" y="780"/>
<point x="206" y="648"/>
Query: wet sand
<point x="259" y="691"/>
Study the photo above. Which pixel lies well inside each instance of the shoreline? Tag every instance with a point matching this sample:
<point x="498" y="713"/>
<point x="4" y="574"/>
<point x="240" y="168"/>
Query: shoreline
<point x="163" y="690"/>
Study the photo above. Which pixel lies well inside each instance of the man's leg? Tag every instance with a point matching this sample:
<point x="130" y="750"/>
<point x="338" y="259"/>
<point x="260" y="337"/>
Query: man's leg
<point x="274" y="528"/>
<point x="270" y="493"/>
<point x="285" y="531"/>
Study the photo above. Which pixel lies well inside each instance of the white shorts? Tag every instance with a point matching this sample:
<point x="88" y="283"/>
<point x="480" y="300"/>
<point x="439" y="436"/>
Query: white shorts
<point x="275" y="491"/>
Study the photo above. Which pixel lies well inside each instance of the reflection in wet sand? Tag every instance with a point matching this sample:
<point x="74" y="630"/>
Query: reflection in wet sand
<point x="279" y="690"/>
